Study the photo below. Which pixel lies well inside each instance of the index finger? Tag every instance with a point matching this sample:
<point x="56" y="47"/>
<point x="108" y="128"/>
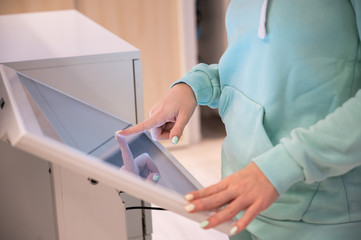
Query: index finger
<point x="140" y="127"/>
<point x="124" y="148"/>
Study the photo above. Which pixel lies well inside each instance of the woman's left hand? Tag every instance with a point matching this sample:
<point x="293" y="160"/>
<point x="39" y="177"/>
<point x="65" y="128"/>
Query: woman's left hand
<point x="247" y="190"/>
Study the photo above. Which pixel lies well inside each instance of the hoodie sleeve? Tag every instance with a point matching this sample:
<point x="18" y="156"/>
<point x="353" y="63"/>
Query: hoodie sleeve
<point x="204" y="81"/>
<point x="329" y="148"/>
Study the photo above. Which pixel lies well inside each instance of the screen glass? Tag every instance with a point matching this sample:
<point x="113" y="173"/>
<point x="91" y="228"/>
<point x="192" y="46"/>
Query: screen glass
<point x="91" y="130"/>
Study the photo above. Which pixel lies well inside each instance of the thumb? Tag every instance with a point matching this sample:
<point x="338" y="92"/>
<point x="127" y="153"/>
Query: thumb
<point x="178" y="128"/>
<point x="153" y="178"/>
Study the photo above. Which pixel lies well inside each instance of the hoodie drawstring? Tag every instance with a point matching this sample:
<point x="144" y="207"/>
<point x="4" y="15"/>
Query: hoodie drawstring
<point x="263" y="20"/>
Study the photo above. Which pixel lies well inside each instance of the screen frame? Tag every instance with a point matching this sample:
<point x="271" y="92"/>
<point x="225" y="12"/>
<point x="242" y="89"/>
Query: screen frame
<point x="20" y="128"/>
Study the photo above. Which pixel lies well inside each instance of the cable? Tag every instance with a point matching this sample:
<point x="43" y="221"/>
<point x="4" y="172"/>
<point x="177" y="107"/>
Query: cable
<point x="141" y="207"/>
<point x="146" y="208"/>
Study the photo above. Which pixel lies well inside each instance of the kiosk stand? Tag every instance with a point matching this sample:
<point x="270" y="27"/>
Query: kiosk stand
<point x="73" y="54"/>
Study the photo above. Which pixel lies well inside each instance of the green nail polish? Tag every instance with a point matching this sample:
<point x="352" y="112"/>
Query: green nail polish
<point x="156" y="178"/>
<point x="204" y="224"/>
<point x="175" y="140"/>
<point x="233" y="231"/>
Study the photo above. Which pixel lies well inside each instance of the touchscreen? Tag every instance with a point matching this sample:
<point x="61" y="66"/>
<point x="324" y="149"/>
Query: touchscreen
<point x="92" y="131"/>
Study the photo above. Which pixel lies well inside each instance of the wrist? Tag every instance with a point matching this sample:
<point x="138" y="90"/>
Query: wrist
<point x="184" y="90"/>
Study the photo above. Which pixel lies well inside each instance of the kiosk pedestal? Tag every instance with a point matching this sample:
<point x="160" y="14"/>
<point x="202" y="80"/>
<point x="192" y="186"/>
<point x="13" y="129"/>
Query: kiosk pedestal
<point x="73" y="54"/>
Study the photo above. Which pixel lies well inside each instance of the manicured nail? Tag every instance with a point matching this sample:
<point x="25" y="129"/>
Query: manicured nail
<point x="156" y="178"/>
<point x="233" y="231"/>
<point x="175" y="140"/>
<point x="204" y="224"/>
<point x="190" y="207"/>
<point x="189" y="197"/>
<point x="117" y="133"/>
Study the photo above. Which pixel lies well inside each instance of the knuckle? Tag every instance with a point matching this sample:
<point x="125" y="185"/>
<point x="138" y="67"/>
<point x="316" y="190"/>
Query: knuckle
<point x="219" y="218"/>
<point x="145" y="155"/>
<point x="231" y="211"/>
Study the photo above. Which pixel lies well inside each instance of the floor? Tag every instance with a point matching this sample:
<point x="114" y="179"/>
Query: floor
<point x="203" y="161"/>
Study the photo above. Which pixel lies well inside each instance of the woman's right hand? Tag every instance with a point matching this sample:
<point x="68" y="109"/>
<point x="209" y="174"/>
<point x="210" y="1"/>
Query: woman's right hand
<point x="169" y="116"/>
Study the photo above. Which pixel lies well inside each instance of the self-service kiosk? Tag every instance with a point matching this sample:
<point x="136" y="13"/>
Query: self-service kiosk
<point x="63" y="173"/>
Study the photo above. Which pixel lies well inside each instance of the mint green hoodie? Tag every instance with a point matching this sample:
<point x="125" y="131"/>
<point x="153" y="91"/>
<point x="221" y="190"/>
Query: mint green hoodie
<point x="287" y="89"/>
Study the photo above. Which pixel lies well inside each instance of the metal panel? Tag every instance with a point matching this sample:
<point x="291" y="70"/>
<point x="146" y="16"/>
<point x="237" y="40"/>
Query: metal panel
<point x="26" y="206"/>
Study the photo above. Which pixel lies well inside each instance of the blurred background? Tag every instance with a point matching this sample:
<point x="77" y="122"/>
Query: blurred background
<point x="172" y="36"/>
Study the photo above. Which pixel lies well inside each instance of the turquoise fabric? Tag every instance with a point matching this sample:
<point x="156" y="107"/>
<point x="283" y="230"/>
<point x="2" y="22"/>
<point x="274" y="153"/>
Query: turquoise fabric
<point x="291" y="104"/>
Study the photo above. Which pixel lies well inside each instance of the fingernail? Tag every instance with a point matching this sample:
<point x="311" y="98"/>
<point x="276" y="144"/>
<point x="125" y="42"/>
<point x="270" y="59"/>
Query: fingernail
<point x="233" y="231"/>
<point x="189" y="197"/>
<point x="175" y="140"/>
<point x="156" y="178"/>
<point x="117" y="133"/>
<point x="189" y="207"/>
<point x="204" y="224"/>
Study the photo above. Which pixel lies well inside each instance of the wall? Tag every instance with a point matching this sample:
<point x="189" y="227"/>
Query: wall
<point x="22" y="6"/>
<point x="152" y="27"/>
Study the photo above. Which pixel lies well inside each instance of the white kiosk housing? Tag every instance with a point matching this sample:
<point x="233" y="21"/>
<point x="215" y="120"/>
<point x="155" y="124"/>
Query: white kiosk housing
<point x="75" y="55"/>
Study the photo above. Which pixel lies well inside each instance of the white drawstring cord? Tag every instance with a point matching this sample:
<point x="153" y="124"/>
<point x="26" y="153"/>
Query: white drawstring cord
<point x="262" y="20"/>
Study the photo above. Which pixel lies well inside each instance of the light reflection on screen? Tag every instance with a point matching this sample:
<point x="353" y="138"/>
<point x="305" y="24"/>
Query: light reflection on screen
<point x="138" y="154"/>
<point x="142" y="165"/>
<point x="91" y="131"/>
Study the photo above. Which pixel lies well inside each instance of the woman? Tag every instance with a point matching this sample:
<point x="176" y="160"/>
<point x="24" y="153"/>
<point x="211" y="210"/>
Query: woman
<point x="287" y="89"/>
